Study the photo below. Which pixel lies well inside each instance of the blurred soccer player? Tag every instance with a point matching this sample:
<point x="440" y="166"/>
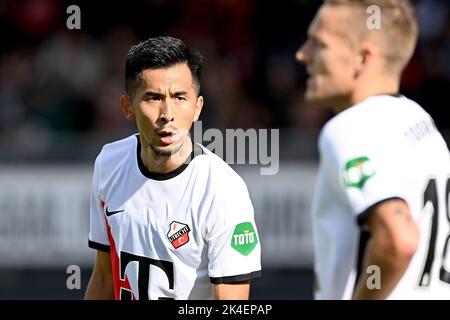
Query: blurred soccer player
<point x="382" y="195"/>
<point x="170" y="220"/>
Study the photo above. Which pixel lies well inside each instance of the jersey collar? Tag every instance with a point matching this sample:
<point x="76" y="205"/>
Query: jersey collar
<point x="196" y="150"/>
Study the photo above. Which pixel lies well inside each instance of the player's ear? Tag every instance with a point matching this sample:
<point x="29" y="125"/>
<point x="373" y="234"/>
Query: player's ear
<point x="198" y="107"/>
<point x="127" y="108"/>
<point x="360" y="64"/>
<point x="363" y="58"/>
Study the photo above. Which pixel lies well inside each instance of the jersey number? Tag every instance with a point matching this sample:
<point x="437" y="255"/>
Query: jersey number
<point x="143" y="275"/>
<point x="430" y="197"/>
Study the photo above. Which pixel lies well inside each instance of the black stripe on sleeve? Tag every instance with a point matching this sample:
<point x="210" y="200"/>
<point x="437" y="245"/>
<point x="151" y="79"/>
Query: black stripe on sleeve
<point x="362" y="217"/>
<point x="98" y="246"/>
<point x="237" y="278"/>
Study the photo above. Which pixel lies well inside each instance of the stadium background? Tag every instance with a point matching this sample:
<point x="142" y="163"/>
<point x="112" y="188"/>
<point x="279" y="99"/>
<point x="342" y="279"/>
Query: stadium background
<point x="59" y="92"/>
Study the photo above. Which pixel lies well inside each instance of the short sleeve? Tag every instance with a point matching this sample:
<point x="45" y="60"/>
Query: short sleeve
<point x="367" y="170"/>
<point x="98" y="236"/>
<point x="234" y="250"/>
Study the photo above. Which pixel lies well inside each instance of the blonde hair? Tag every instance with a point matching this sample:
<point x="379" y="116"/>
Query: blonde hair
<point x="399" y="28"/>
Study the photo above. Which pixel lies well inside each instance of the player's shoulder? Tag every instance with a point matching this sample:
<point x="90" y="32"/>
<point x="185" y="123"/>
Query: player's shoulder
<point x="219" y="171"/>
<point x="116" y="152"/>
<point x="373" y="119"/>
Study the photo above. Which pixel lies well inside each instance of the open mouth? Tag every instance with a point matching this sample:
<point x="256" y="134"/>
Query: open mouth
<point x="166" y="134"/>
<point x="166" y="137"/>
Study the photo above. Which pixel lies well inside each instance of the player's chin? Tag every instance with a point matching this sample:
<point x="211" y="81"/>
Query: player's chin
<point x="313" y="98"/>
<point x="167" y="150"/>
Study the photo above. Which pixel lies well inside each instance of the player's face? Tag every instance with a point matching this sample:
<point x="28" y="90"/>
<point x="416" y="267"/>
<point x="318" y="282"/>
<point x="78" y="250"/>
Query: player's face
<point x="329" y="58"/>
<point x="164" y="106"/>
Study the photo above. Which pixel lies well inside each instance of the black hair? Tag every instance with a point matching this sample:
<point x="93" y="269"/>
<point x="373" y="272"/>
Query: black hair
<point x="157" y="53"/>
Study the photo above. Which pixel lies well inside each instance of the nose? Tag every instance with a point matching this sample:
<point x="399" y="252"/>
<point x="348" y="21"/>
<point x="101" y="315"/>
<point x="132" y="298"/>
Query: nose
<point x="166" y="111"/>
<point x="302" y="55"/>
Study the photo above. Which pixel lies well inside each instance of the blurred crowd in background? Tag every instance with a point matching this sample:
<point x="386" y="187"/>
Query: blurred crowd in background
<point x="59" y="103"/>
<point x="60" y="88"/>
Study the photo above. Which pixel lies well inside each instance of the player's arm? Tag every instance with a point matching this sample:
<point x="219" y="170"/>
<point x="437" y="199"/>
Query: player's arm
<point x="232" y="291"/>
<point x="100" y="285"/>
<point x="394" y="240"/>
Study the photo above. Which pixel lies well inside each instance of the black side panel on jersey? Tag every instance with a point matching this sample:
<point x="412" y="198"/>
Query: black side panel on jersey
<point x="237" y="278"/>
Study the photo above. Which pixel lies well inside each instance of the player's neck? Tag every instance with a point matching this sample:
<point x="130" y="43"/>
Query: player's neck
<point x="368" y="88"/>
<point x="165" y="164"/>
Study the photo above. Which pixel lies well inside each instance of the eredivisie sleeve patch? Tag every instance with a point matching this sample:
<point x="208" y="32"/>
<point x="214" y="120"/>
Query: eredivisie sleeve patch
<point x="244" y="238"/>
<point x="357" y="172"/>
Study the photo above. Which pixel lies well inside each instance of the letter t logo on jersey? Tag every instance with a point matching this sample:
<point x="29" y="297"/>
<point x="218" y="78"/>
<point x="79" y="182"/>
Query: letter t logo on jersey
<point x="244" y="238"/>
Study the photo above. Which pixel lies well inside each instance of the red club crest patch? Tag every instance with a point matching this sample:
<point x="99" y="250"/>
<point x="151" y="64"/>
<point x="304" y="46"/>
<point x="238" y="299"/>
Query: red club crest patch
<point x="178" y="234"/>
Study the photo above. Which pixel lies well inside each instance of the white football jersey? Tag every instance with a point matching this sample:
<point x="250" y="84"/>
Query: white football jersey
<point x="382" y="148"/>
<point x="171" y="235"/>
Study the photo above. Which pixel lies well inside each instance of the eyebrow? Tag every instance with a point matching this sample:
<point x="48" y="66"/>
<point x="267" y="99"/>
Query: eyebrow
<point x="180" y="93"/>
<point x="312" y="36"/>
<point x="317" y="39"/>
<point x="151" y="94"/>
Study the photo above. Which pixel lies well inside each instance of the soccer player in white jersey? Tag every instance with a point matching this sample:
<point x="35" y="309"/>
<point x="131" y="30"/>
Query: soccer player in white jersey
<point x="381" y="205"/>
<point x="170" y="220"/>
